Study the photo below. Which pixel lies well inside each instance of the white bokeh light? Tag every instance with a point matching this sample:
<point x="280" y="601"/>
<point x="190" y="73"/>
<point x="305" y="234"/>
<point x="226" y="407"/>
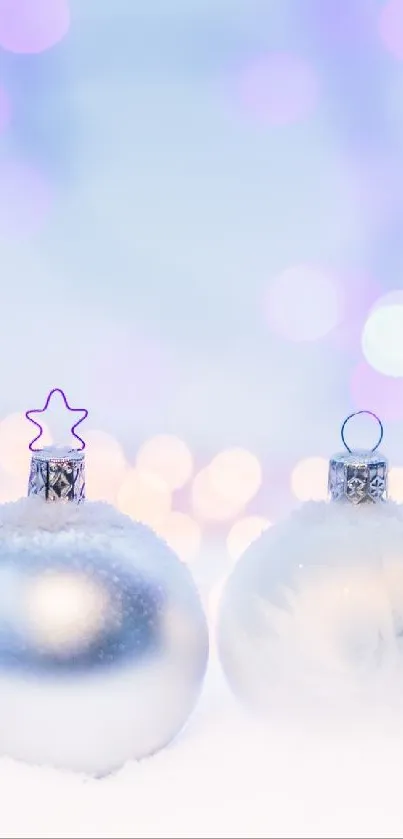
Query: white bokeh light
<point x="303" y="303"/>
<point x="395" y="484"/>
<point x="16" y="433"/>
<point x="209" y="504"/>
<point x="236" y="475"/>
<point x="168" y="457"/>
<point x="382" y="339"/>
<point x="182" y="533"/>
<point x="144" y="497"/>
<point x="309" y="479"/>
<point x="105" y="468"/>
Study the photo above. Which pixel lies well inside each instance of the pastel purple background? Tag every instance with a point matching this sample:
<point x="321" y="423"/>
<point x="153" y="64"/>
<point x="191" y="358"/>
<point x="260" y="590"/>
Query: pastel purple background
<point x="201" y="208"/>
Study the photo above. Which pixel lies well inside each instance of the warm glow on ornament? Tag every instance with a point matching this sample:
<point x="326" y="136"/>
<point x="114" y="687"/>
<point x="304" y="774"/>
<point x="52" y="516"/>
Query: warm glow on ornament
<point x="314" y="607"/>
<point x="65" y="611"/>
<point x="168" y="457"/>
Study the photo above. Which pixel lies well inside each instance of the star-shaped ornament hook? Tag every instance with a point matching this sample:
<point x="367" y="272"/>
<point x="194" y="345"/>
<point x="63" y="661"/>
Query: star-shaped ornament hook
<point x="82" y="411"/>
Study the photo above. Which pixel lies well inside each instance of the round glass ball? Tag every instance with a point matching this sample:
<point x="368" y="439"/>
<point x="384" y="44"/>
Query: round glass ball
<point x="103" y="639"/>
<point x="313" y="611"/>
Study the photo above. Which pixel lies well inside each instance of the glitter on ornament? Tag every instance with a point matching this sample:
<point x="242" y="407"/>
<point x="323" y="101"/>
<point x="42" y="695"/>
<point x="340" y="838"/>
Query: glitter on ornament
<point x="312" y="614"/>
<point x="103" y="640"/>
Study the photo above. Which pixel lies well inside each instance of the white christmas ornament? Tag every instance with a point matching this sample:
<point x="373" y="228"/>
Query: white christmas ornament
<point x="313" y="611"/>
<point x="103" y="640"/>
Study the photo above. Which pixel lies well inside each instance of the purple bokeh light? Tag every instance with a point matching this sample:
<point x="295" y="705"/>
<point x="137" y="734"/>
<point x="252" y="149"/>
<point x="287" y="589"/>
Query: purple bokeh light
<point x="5" y="109"/>
<point x="25" y="200"/>
<point x="350" y="23"/>
<point x="391" y="27"/>
<point x="33" y="26"/>
<point x="379" y="393"/>
<point x="279" y="88"/>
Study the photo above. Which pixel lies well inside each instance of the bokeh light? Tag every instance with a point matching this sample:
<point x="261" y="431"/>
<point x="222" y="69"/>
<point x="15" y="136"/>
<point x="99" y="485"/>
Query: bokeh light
<point x="391" y="27"/>
<point x="243" y="533"/>
<point x="235" y="475"/>
<point x="309" y="479"/>
<point x="144" y="497"/>
<point x="5" y="109"/>
<point x="105" y="466"/>
<point x="182" y="533"/>
<point x="25" y="199"/>
<point x="15" y="436"/>
<point x="32" y="26"/>
<point x="12" y="487"/>
<point x="208" y="503"/>
<point x="395" y="484"/>
<point x="303" y="303"/>
<point x="384" y="394"/>
<point x="279" y="88"/>
<point x="382" y="339"/>
<point x="168" y="457"/>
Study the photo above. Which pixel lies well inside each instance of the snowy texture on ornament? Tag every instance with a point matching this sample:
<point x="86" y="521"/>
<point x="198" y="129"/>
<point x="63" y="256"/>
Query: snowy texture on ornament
<point x="103" y="640"/>
<point x="313" y="611"/>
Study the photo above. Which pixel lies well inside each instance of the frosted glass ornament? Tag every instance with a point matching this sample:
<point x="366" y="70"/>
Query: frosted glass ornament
<point x="103" y="639"/>
<point x="312" y="613"/>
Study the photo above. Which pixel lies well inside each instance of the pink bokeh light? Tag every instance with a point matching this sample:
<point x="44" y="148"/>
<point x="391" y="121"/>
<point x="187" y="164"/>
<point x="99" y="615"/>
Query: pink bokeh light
<point x="379" y="393"/>
<point x="5" y="109"/>
<point x="390" y="26"/>
<point x="33" y="26"/>
<point x="25" y="200"/>
<point x="279" y="88"/>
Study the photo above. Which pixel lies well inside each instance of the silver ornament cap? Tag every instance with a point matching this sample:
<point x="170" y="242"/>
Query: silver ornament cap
<point x="359" y="476"/>
<point x="57" y="473"/>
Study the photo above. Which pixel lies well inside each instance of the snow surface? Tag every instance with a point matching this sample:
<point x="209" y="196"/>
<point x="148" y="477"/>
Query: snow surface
<point x="227" y="775"/>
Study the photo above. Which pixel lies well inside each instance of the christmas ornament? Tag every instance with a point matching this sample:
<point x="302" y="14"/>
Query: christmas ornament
<point x="313" y="611"/>
<point x="103" y="640"/>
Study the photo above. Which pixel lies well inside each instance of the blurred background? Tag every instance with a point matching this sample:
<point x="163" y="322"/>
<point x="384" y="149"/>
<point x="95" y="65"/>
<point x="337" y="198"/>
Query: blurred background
<point x="201" y="222"/>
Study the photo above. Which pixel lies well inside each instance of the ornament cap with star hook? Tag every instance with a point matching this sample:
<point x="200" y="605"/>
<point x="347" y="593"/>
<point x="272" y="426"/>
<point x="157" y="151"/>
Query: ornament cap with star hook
<point x="57" y="474"/>
<point x="359" y="476"/>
